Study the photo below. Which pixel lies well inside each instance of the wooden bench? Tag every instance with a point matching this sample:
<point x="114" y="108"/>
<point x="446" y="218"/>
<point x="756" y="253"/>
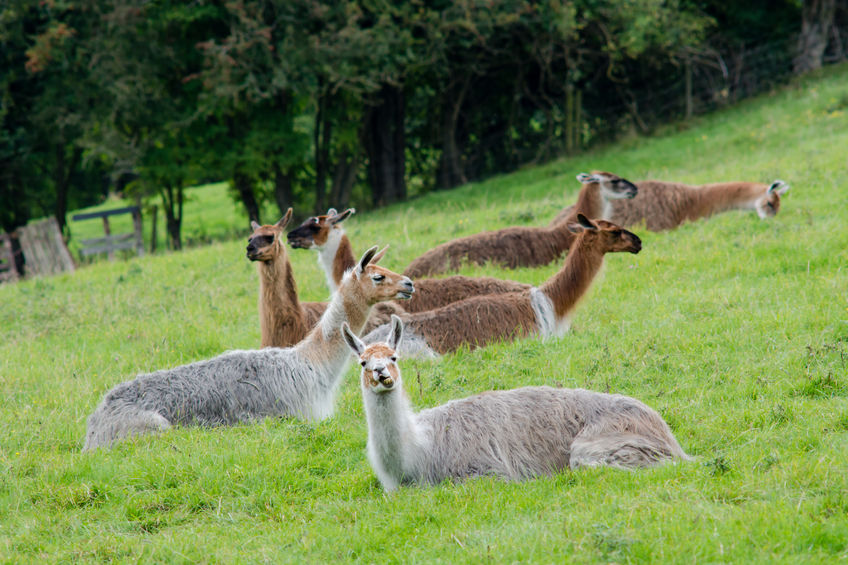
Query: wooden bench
<point x="111" y="243"/>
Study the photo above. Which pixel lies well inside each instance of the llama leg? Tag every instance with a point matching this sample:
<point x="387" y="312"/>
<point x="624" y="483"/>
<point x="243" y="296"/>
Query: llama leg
<point x="118" y="420"/>
<point x="620" y="449"/>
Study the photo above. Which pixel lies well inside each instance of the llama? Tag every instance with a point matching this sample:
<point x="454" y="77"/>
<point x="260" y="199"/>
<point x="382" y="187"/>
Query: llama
<point x="335" y="255"/>
<point x="283" y="319"/>
<point x="512" y="434"/>
<point x="240" y="386"/>
<point x="545" y="310"/>
<point x="519" y="246"/>
<point x="666" y="205"/>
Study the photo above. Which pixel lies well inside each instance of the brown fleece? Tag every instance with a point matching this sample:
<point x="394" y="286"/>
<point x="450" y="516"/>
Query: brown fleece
<point x="435" y="293"/>
<point x="343" y="260"/>
<point x="479" y="320"/>
<point x="666" y="205"/>
<point x="510" y="247"/>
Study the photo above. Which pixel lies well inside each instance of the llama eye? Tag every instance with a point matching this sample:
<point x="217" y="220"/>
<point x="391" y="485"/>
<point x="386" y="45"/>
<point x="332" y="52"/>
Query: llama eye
<point x="393" y="358"/>
<point x="362" y="363"/>
<point x="378" y="278"/>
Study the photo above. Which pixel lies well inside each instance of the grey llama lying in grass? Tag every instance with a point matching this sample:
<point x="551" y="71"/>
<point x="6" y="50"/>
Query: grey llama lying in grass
<point x="240" y="386"/>
<point x="513" y="434"/>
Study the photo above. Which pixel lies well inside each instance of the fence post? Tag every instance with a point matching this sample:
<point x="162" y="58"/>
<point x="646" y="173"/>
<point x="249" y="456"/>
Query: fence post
<point x="154" y="213"/>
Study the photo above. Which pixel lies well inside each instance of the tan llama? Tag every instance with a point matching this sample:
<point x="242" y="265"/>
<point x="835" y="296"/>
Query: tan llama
<point x="523" y="246"/>
<point x="512" y="434"/>
<point x="666" y="205"/>
<point x="283" y="320"/>
<point x="545" y="311"/>
<point x="325" y="234"/>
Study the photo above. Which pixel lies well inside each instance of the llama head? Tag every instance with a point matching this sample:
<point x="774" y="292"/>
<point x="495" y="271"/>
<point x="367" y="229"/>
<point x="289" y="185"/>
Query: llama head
<point x="380" y="371"/>
<point x="612" y="186"/>
<point x="605" y="236"/>
<point x="314" y="232"/>
<point x="768" y="204"/>
<point x="265" y="243"/>
<point x="374" y="283"/>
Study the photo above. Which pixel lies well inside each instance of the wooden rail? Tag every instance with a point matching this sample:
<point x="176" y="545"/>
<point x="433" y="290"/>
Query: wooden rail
<point x="111" y="243"/>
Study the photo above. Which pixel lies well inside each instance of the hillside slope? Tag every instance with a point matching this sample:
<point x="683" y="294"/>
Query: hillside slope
<point x="734" y="329"/>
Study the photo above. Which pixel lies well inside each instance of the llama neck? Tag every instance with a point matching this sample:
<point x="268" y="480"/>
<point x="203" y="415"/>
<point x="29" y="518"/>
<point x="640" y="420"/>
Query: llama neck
<point x="281" y="318"/>
<point x="396" y="442"/>
<point x="567" y="287"/>
<point x="325" y="346"/>
<point x="336" y="258"/>
<point x="589" y="202"/>
<point x="720" y="197"/>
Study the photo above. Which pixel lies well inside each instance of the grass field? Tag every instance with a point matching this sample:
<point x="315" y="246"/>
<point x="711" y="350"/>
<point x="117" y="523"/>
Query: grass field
<point x="734" y="329"/>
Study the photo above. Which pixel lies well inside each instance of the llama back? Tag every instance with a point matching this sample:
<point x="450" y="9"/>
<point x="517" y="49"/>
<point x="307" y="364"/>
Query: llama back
<point x="237" y="386"/>
<point x="526" y="432"/>
<point x="436" y="293"/>
<point x="661" y="205"/>
<point x="514" y="434"/>
<point x="475" y="322"/>
<point x="510" y="247"/>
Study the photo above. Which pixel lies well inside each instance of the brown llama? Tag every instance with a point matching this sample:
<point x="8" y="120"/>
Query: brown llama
<point x="283" y="319"/>
<point x="546" y="310"/>
<point x="666" y="205"/>
<point x="335" y="255"/>
<point x="520" y="246"/>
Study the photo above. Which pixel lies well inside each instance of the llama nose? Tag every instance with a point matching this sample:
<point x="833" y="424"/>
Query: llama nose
<point x="407" y="282"/>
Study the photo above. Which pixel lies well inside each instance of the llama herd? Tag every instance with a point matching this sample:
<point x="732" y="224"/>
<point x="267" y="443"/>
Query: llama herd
<point x="512" y="434"/>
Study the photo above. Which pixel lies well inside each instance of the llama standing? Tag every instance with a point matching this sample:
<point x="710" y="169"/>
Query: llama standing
<point x="325" y="234"/>
<point x="523" y="246"/>
<point x="241" y="386"/>
<point x="512" y="434"/>
<point x="666" y="205"/>
<point x="546" y="310"/>
<point x="283" y="320"/>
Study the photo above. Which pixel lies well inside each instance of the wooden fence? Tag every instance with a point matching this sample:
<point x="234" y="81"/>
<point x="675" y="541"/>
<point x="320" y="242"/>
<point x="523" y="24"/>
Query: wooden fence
<point x="111" y="243"/>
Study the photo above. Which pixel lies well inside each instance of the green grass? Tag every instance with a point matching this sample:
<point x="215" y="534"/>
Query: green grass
<point x="734" y="329"/>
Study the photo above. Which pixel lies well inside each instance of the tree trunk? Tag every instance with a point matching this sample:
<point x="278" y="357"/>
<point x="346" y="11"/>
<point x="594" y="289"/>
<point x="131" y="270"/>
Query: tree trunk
<point x="322" y="140"/>
<point x="172" y="205"/>
<point x="345" y="176"/>
<point x="283" y="191"/>
<point x="451" y="172"/>
<point x="385" y="144"/>
<point x="244" y="187"/>
<point x="62" y="181"/>
<point x="817" y="19"/>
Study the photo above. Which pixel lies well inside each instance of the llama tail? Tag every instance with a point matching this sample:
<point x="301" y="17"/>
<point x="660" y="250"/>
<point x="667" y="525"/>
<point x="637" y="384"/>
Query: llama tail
<point x="116" y="419"/>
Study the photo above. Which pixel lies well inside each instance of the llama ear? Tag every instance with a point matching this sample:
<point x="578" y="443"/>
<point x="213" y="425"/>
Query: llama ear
<point x="778" y="187"/>
<point x="332" y="212"/>
<point x="586" y="223"/>
<point x="584" y="178"/>
<point x="254" y="225"/>
<point x="366" y="258"/>
<point x="574" y="228"/>
<point x="379" y="255"/>
<point x="285" y="219"/>
<point x="396" y="333"/>
<point x="336" y="217"/>
<point x="352" y="341"/>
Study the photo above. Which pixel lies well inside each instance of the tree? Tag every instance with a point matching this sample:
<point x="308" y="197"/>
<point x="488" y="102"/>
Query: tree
<point x="817" y="18"/>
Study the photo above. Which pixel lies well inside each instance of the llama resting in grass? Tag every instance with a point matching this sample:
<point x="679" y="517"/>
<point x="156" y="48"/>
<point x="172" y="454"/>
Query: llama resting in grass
<point x="513" y="434"/>
<point x="241" y="386"/>
<point x="666" y="205"/>
<point x="545" y="310"/>
<point x="283" y="319"/>
<point x="522" y="246"/>
<point x="335" y="255"/>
